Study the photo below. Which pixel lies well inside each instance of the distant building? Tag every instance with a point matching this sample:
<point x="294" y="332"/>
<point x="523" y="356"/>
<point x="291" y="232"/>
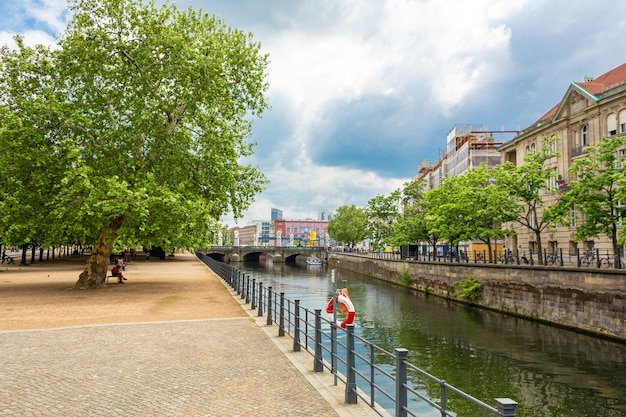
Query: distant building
<point x="276" y="214"/>
<point x="325" y="215"/>
<point x="467" y="148"/>
<point x="301" y="232"/>
<point x="247" y="235"/>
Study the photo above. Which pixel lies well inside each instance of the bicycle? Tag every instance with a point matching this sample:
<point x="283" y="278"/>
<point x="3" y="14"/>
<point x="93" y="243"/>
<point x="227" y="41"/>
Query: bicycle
<point x="552" y="259"/>
<point x="609" y="261"/>
<point x="588" y="259"/>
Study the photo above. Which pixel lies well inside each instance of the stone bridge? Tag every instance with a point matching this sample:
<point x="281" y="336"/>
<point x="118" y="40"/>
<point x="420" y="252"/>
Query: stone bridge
<point x="286" y="254"/>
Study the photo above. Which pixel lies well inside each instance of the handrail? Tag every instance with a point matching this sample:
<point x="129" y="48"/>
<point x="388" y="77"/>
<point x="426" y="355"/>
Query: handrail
<point x="323" y="340"/>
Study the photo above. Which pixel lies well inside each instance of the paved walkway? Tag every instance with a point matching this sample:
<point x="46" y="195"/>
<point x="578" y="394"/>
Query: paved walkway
<point x="207" y="367"/>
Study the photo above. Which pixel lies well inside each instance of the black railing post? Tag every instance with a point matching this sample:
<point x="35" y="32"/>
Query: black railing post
<point x="318" y="364"/>
<point x="350" y="395"/>
<point x="269" y="305"/>
<point x="247" y="289"/>
<point x="260" y="313"/>
<point x="545" y="257"/>
<point x="444" y="398"/>
<point x="253" y="298"/>
<point x="244" y="280"/>
<point x="506" y="407"/>
<point x="401" y="391"/>
<point x="561" y="256"/>
<point x="296" y="327"/>
<point x="372" y="374"/>
<point x="281" y="315"/>
<point x="577" y="257"/>
<point x="598" y="258"/>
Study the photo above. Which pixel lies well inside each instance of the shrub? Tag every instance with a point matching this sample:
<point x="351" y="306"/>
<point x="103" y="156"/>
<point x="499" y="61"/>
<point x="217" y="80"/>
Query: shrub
<point x="404" y="275"/>
<point x="469" y="289"/>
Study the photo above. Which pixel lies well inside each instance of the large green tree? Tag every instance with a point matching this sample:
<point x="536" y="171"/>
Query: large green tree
<point x="134" y="126"/>
<point x="529" y="186"/>
<point x="382" y="212"/>
<point x="349" y="225"/>
<point x="598" y="190"/>
<point x="473" y="207"/>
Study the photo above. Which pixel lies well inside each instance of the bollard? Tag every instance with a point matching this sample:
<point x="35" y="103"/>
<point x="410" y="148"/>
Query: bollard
<point x="269" y="306"/>
<point x="260" y="313"/>
<point x="401" y="394"/>
<point x="281" y="316"/>
<point x="506" y="407"/>
<point x="350" y="394"/>
<point x="318" y="365"/>
<point x="248" y="289"/>
<point x="296" y="329"/>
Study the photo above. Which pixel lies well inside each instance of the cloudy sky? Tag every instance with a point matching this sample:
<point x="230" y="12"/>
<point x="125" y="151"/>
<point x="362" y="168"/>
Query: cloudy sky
<point x="361" y="91"/>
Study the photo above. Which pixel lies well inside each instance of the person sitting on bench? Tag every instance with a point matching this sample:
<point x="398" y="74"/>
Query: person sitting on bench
<point x="118" y="274"/>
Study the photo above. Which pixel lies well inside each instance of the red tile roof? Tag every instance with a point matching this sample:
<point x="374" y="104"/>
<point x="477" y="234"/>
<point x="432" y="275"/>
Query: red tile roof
<point x="606" y="81"/>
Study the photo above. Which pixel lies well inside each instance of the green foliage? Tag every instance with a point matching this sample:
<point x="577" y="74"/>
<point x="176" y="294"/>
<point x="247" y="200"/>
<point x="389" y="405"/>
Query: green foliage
<point x="382" y="212"/>
<point x="469" y="289"/>
<point x="599" y="190"/>
<point x="527" y="186"/>
<point x="348" y="225"/>
<point x="404" y="274"/>
<point x="137" y="122"/>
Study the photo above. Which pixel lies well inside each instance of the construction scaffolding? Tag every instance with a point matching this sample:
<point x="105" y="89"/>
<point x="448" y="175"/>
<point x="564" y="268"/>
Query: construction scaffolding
<point x="469" y="146"/>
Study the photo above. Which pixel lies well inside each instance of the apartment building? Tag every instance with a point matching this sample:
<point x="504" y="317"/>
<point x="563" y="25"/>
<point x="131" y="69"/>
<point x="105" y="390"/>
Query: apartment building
<point x="589" y="110"/>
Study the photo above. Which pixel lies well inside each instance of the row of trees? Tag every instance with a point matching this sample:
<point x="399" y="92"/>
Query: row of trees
<point x="131" y="130"/>
<point x="477" y="206"/>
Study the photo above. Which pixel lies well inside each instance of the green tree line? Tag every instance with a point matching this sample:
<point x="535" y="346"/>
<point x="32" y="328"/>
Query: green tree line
<point x="478" y="205"/>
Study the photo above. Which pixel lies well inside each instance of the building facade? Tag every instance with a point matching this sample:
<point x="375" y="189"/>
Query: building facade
<point x="301" y="232"/>
<point x="589" y="111"/>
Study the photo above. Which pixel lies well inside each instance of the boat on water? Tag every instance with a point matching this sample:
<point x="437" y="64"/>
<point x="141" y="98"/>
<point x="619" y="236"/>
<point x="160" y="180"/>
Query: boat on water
<point x="313" y="260"/>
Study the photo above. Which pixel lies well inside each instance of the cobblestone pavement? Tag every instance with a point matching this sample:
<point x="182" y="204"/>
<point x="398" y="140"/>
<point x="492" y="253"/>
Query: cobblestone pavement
<point x="217" y="367"/>
<point x="235" y="366"/>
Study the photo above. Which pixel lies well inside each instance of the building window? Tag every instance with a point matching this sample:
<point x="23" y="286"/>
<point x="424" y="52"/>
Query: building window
<point x="572" y="217"/>
<point x="527" y="149"/>
<point x="533" y="148"/>
<point x="619" y="158"/>
<point x="584" y="136"/>
<point x="551" y="183"/>
<point x="622" y="121"/>
<point x="611" y="124"/>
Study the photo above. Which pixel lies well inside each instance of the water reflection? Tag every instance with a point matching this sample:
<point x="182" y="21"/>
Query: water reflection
<point x="549" y="371"/>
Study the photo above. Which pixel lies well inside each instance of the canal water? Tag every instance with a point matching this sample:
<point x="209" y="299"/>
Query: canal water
<point x="549" y="371"/>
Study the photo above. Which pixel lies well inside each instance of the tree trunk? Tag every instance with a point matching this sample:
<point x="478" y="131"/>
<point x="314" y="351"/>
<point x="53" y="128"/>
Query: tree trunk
<point x="24" y="249"/>
<point x="94" y="275"/>
<point x="539" y="248"/>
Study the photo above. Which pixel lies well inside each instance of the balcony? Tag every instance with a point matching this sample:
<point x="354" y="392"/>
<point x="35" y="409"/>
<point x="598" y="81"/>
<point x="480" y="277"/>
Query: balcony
<point x="578" y="150"/>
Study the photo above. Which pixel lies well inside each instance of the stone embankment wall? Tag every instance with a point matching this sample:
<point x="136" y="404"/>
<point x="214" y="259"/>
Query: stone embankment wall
<point x="592" y="301"/>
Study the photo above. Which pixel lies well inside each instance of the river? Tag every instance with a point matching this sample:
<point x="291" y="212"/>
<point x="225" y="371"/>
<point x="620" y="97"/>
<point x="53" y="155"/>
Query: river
<point x="549" y="371"/>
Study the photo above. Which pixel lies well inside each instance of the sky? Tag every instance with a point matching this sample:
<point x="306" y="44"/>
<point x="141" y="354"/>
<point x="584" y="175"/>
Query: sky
<point x="362" y="91"/>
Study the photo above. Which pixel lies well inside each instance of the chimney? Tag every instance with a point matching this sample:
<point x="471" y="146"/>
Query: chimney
<point x="589" y="78"/>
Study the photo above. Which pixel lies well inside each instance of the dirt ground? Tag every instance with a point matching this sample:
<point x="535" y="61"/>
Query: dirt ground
<point x="178" y="288"/>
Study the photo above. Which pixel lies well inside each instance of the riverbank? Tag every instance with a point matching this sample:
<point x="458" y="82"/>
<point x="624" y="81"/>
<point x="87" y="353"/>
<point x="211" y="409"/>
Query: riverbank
<point x="590" y="301"/>
<point x="172" y="340"/>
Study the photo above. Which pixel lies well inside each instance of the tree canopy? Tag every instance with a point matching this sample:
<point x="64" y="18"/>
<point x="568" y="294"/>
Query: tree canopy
<point x="530" y="185"/>
<point x="599" y="190"/>
<point x="349" y="225"/>
<point x="133" y="128"/>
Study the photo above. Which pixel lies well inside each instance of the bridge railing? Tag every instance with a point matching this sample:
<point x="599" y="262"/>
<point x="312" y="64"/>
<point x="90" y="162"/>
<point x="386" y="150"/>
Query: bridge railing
<point x="369" y="372"/>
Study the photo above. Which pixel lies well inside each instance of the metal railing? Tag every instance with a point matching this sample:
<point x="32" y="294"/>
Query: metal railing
<point x="370" y="372"/>
<point x="592" y="258"/>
